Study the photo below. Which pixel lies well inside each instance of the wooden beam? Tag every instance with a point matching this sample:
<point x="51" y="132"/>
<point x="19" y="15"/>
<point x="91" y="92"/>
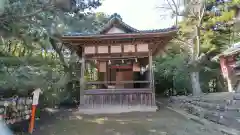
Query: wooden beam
<point x="109" y="55"/>
<point x="115" y="41"/>
<point x="115" y="58"/>
<point x="120" y="36"/>
<point x="113" y="82"/>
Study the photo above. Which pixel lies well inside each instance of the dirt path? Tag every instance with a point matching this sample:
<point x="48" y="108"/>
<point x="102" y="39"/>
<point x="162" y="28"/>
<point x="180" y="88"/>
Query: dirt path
<point x="164" y="122"/>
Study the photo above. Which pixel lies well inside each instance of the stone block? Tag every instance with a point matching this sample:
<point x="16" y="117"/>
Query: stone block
<point x="236" y="96"/>
<point x="211" y="117"/>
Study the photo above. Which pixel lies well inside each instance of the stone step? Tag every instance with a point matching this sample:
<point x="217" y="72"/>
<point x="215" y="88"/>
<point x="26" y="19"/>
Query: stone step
<point x="209" y="106"/>
<point x="232" y="114"/>
<point x="199" y="111"/>
<point x="236" y="96"/>
<point x="184" y="99"/>
<point x="229" y="121"/>
<point x="235" y="104"/>
<point x="217" y="117"/>
<point x="220" y="101"/>
<point x="219" y="98"/>
<point x="232" y="108"/>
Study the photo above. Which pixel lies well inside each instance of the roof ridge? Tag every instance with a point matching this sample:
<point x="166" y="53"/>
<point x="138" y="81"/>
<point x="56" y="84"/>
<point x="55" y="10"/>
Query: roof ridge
<point x="116" y="18"/>
<point x="173" y="28"/>
<point x="161" y="29"/>
<point x="115" y="15"/>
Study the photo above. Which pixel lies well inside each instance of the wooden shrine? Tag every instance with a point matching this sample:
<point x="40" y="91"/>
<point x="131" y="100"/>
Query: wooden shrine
<point x="120" y="59"/>
<point x="230" y="58"/>
<point x="230" y="65"/>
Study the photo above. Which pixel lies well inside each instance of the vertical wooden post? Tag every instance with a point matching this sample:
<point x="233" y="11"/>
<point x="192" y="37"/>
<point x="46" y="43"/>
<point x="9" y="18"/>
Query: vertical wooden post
<point x="229" y="83"/>
<point x="82" y="80"/>
<point x="36" y="95"/>
<point x="152" y="86"/>
<point x="32" y="120"/>
<point x="150" y="69"/>
<point x="225" y="73"/>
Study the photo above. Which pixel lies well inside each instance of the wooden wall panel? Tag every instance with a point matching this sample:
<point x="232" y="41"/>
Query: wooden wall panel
<point x="129" y="48"/>
<point x="119" y="78"/>
<point x="142" y="48"/>
<point x="116" y="49"/>
<point x="89" y="49"/>
<point x="128" y="76"/>
<point x="115" y="30"/>
<point x="102" y="49"/>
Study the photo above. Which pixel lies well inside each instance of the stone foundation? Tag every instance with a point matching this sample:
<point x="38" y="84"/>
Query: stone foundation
<point x="116" y="109"/>
<point x="118" y="101"/>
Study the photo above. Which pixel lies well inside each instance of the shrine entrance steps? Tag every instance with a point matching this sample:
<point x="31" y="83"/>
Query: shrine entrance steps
<point x="118" y="101"/>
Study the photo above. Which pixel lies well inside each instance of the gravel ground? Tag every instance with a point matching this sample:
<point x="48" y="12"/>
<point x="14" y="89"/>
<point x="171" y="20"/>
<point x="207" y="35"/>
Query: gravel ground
<point x="164" y="122"/>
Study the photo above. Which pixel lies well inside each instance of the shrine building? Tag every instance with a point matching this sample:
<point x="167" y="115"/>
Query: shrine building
<point x="119" y="61"/>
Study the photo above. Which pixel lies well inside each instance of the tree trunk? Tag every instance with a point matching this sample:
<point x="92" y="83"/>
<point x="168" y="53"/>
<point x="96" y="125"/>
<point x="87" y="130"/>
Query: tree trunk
<point x="195" y="83"/>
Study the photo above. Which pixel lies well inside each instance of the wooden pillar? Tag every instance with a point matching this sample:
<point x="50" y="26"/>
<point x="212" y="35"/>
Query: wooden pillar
<point x="82" y="80"/>
<point x="150" y="69"/>
<point x="229" y="83"/>
<point x="152" y="86"/>
<point x="225" y="72"/>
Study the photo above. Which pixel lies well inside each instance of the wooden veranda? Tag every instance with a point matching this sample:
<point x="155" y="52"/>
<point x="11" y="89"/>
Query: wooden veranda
<point x="121" y="57"/>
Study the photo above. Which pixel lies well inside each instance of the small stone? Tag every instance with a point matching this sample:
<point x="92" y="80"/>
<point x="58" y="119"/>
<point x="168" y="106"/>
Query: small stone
<point x="79" y="117"/>
<point x="162" y="133"/>
<point x="149" y="120"/>
<point x="121" y="123"/>
<point x="117" y="133"/>
<point x="152" y="130"/>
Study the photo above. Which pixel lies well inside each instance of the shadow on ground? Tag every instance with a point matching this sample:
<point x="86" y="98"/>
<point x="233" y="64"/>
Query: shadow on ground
<point x="163" y="122"/>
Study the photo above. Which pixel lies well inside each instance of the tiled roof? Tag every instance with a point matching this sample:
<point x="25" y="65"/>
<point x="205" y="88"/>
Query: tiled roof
<point x="234" y="49"/>
<point x="116" y="20"/>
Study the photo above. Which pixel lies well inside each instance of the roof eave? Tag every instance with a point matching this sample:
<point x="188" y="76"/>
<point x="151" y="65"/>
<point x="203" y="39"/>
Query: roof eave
<point x="121" y="35"/>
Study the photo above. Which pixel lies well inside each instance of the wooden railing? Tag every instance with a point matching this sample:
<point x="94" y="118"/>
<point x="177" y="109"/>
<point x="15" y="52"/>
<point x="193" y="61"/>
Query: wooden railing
<point x="117" y="91"/>
<point x="100" y="96"/>
<point x="117" y="85"/>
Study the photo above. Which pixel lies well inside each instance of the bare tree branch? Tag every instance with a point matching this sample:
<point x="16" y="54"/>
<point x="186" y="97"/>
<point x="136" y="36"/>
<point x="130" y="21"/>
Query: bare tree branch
<point x="184" y="42"/>
<point x="201" y="14"/>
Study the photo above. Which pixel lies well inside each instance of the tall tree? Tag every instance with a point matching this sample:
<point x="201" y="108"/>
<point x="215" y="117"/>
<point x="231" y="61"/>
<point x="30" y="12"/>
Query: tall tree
<point x="202" y="21"/>
<point x="30" y="31"/>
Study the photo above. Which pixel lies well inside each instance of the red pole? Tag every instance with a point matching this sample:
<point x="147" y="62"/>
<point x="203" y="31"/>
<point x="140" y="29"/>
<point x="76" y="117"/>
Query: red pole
<point x="32" y="120"/>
